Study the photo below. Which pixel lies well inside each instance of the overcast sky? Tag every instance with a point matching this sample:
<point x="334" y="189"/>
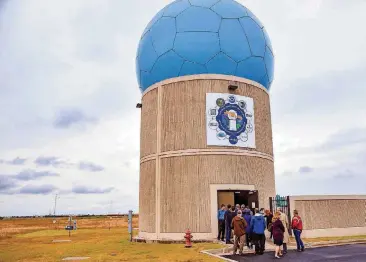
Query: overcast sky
<point x="68" y="92"/>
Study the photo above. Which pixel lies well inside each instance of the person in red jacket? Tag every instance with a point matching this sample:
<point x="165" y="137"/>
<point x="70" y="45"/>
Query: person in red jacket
<point x="296" y="225"/>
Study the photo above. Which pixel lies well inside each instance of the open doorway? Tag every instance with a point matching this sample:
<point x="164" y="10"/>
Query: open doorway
<point x="242" y="197"/>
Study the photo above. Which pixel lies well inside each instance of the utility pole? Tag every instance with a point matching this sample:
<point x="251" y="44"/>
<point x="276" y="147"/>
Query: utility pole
<point x="54" y="210"/>
<point x="110" y="207"/>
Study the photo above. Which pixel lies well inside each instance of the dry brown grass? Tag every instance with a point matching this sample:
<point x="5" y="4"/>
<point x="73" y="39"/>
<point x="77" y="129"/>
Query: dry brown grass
<point x="9" y="227"/>
<point x="28" y="240"/>
<point x="321" y="239"/>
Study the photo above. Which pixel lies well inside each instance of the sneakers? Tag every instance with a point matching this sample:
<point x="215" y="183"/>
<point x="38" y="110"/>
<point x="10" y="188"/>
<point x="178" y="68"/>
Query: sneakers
<point x="277" y="257"/>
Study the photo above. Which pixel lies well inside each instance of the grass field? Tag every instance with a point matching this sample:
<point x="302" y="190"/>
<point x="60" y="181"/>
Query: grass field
<point x="31" y="240"/>
<point x="100" y="238"/>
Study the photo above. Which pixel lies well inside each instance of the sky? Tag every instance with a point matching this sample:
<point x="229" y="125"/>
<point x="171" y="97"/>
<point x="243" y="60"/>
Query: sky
<point x="68" y="90"/>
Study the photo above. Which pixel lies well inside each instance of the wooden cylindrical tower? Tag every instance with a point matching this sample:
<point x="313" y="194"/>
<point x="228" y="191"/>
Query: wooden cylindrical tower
<point x="180" y="174"/>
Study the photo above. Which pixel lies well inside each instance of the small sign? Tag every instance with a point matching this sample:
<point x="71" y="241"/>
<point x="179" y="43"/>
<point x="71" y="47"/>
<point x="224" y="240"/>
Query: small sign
<point x="253" y="204"/>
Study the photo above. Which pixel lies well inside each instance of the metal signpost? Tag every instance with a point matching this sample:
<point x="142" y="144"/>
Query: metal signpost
<point x="130" y="224"/>
<point x="70" y="225"/>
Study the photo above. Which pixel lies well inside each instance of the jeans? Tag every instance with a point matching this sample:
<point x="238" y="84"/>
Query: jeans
<point x="228" y="231"/>
<point x="299" y="243"/>
<point x="221" y="229"/>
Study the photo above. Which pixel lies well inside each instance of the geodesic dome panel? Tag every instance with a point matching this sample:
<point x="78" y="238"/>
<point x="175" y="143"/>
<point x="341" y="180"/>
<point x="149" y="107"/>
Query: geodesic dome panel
<point x="190" y="37"/>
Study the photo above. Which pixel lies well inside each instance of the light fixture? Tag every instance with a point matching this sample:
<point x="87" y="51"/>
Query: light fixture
<point x="232" y="87"/>
<point x="139" y="105"/>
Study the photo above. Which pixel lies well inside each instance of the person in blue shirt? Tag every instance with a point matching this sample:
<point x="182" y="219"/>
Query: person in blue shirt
<point x="221" y="221"/>
<point x="257" y="227"/>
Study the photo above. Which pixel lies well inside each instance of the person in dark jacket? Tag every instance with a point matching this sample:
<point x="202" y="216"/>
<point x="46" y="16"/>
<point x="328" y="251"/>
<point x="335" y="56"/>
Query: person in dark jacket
<point x="257" y="227"/>
<point x="239" y="224"/>
<point x="221" y="221"/>
<point x="268" y="215"/>
<point x="278" y="231"/>
<point x="248" y="218"/>
<point x="229" y="214"/>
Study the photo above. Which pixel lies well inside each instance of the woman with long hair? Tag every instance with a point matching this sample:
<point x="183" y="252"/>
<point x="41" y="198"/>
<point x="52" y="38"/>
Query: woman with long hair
<point x="278" y="231"/>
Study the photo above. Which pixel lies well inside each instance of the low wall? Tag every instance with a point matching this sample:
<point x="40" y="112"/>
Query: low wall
<point x="331" y="216"/>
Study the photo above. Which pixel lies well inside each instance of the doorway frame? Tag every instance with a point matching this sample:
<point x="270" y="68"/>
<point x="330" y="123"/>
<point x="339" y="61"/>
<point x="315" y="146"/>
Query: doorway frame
<point x="214" y="188"/>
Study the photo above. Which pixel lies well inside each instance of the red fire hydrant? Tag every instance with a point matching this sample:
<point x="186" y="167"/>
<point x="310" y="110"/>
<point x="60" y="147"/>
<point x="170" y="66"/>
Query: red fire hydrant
<point x="188" y="236"/>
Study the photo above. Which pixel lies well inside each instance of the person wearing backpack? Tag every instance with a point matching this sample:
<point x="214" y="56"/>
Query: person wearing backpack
<point x="296" y="226"/>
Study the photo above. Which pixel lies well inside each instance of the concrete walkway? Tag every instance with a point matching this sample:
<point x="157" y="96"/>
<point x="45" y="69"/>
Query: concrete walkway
<point x="351" y="252"/>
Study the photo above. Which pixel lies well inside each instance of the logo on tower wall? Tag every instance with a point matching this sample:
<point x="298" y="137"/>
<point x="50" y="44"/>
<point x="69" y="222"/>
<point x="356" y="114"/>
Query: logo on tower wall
<point x="230" y="120"/>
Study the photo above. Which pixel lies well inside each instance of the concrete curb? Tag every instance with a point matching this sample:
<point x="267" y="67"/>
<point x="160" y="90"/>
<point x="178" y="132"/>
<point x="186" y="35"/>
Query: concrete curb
<point x="207" y="252"/>
<point x="335" y="243"/>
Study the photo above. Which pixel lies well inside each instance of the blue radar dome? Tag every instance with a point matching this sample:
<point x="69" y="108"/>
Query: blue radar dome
<point x="190" y="37"/>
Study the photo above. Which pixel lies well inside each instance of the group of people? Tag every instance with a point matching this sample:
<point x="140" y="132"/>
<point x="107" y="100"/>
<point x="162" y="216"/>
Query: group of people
<point x="250" y="229"/>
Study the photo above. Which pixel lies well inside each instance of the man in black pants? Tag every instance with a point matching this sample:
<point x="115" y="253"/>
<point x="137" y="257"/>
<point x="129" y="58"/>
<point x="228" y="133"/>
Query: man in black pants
<point x="229" y="214"/>
<point x="221" y="220"/>
<point x="257" y="226"/>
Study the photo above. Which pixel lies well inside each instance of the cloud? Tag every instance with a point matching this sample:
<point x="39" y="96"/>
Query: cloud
<point x="343" y="139"/>
<point x="57" y="162"/>
<point x="6" y="183"/>
<point x="69" y="117"/>
<point x="27" y="175"/>
<point x="49" y="161"/>
<point x="348" y="174"/>
<point x="15" y="162"/>
<point x="305" y="169"/>
<point x="88" y="166"/>
<point x="10" y="183"/>
<point x="37" y="190"/>
<point x="86" y="190"/>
